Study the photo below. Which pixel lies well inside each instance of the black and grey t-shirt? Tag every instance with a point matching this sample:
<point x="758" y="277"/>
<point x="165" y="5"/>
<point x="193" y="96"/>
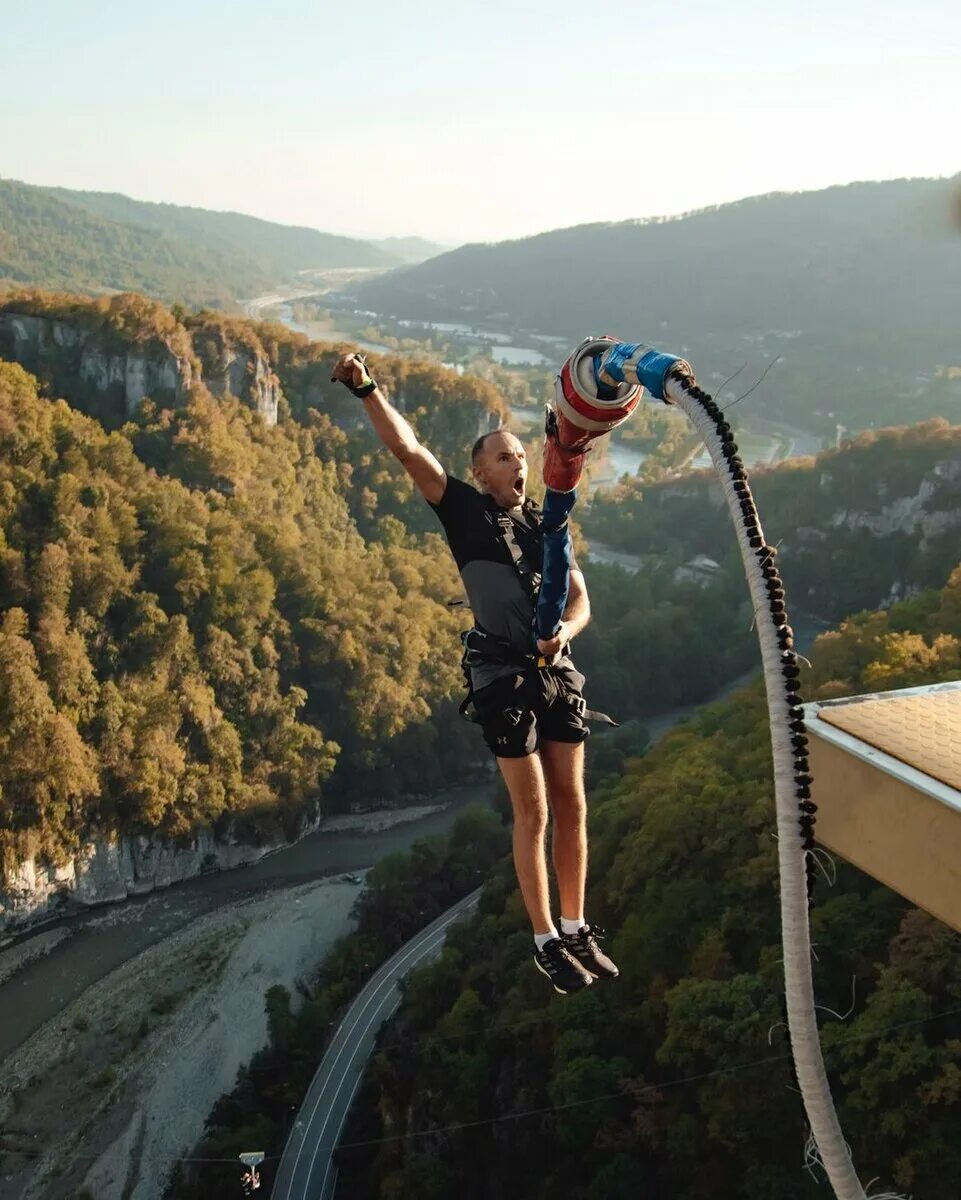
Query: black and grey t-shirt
<point x="501" y="603"/>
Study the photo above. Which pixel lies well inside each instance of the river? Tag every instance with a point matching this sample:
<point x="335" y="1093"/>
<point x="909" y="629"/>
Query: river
<point x="105" y="936"/>
<point x="763" y="442"/>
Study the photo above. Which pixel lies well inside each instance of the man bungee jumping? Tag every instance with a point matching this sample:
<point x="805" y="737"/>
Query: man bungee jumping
<point x="526" y="699"/>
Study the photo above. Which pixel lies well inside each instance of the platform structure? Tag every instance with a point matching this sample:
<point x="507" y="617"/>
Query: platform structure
<point x="887" y="782"/>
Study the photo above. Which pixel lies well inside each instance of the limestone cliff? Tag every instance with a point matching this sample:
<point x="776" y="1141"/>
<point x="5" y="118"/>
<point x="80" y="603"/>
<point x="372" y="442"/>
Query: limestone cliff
<point x="51" y="348"/>
<point x="927" y="513"/>
<point x="233" y="368"/>
<point x="119" y="377"/>
<point x="113" y="869"/>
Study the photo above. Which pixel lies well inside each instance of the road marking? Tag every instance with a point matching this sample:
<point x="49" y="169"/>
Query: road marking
<point x="383" y="970"/>
<point x="434" y="939"/>
<point x="330" y="1160"/>
<point x="374" y="986"/>
<point x="343" y="1119"/>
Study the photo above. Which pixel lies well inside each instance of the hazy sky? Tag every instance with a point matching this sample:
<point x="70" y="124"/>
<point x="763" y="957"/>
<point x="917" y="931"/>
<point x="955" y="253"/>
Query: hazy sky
<point x="475" y="121"/>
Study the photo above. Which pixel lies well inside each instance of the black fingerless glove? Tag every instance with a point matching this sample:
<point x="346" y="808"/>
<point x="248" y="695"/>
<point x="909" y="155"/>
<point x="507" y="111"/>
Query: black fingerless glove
<point x="366" y="385"/>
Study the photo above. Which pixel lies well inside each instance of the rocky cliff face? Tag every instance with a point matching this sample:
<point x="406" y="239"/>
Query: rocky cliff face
<point x="52" y="349"/>
<point x="231" y="368"/>
<point x="45" y="346"/>
<point x="113" y="869"/>
<point x="927" y="513"/>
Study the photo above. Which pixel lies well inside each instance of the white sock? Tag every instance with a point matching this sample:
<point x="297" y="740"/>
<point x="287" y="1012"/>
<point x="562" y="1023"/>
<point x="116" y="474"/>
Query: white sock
<point x="572" y="926"/>
<point x="541" y="939"/>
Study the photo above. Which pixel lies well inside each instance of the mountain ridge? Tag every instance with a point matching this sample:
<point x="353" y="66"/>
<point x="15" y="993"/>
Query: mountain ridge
<point x="96" y="242"/>
<point x="852" y="290"/>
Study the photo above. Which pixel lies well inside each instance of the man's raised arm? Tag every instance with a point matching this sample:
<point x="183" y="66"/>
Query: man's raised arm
<point x="392" y="429"/>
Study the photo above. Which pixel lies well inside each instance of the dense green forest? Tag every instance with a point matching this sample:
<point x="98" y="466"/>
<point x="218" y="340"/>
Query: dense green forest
<point x="855" y="288"/>
<point x="101" y="242"/>
<point x="678" y="1075"/>
<point x="195" y="631"/>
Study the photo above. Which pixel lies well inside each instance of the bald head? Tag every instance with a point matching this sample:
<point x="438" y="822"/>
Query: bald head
<point x="500" y="467"/>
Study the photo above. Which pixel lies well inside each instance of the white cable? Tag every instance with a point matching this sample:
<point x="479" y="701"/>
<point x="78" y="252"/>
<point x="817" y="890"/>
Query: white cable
<point x="831" y="1149"/>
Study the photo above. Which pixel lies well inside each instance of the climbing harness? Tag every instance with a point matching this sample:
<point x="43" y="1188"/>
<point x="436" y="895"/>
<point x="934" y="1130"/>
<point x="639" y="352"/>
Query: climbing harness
<point x="502" y="521"/>
<point x="482" y="648"/>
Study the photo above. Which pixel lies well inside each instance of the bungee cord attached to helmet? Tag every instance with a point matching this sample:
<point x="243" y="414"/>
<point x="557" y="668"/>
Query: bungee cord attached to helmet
<point x="597" y="389"/>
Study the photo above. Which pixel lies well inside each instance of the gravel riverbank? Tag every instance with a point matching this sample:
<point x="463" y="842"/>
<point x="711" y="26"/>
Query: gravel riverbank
<point x="120" y="1027"/>
<point x="110" y="1094"/>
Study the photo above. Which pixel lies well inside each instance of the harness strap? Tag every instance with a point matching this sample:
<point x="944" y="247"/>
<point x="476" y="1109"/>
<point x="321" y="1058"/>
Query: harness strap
<point x="482" y="647"/>
<point x="530" y="578"/>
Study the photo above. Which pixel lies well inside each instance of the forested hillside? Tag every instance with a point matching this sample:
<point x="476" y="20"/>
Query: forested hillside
<point x="49" y="243"/>
<point x="278" y="250"/>
<point x="855" y="288"/>
<point x="899" y="488"/>
<point x="195" y="632"/>
<point x="100" y="242"/>
<point x="211" y="620"/>
<point x="678" y="1075"/>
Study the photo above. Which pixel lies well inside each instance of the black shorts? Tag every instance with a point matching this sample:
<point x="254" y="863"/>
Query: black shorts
<point x="520" y="711"/>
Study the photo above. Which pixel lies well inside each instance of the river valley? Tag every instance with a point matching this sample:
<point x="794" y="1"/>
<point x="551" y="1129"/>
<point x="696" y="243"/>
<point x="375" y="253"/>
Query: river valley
<point x="148" y="1006"/>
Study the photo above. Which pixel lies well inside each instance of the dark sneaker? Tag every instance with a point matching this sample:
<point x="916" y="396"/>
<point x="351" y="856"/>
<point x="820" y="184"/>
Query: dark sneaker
<point x="584" y="948"/>
<point x="564" y="973"/>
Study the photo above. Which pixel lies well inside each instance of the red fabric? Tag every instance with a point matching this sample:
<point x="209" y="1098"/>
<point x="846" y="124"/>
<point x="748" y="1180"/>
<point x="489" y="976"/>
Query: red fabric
<point x="562" y="467"/>
<point x="586" y="409"/>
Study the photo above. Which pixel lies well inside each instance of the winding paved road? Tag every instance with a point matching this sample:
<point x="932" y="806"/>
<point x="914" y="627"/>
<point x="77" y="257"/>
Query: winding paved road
<point x="307" y="1170"/>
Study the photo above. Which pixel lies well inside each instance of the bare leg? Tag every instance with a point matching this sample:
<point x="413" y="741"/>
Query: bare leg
<point x="563" y="765"/>
<point x="525" y="782"/>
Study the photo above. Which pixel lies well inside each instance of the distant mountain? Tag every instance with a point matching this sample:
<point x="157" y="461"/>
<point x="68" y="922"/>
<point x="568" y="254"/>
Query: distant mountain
<point x="49" y="243"/>
<point x="410" y="249"/>
<point x="100" y="241"/>
<point x="856" y="288"/>
<point x="277" y="249"/>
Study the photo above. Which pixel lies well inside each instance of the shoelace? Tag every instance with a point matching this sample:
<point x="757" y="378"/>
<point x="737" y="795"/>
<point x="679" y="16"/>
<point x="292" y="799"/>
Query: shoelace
<point x="588" y="935"/>
<point x="560" y="951"/>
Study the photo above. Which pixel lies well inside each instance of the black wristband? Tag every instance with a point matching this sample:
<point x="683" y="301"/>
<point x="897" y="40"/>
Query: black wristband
<point x="363" y="389"/>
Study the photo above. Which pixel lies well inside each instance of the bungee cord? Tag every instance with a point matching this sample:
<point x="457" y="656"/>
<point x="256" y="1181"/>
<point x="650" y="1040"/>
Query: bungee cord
<point x="792" y="779"/>
<point x="590" y="400"/>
